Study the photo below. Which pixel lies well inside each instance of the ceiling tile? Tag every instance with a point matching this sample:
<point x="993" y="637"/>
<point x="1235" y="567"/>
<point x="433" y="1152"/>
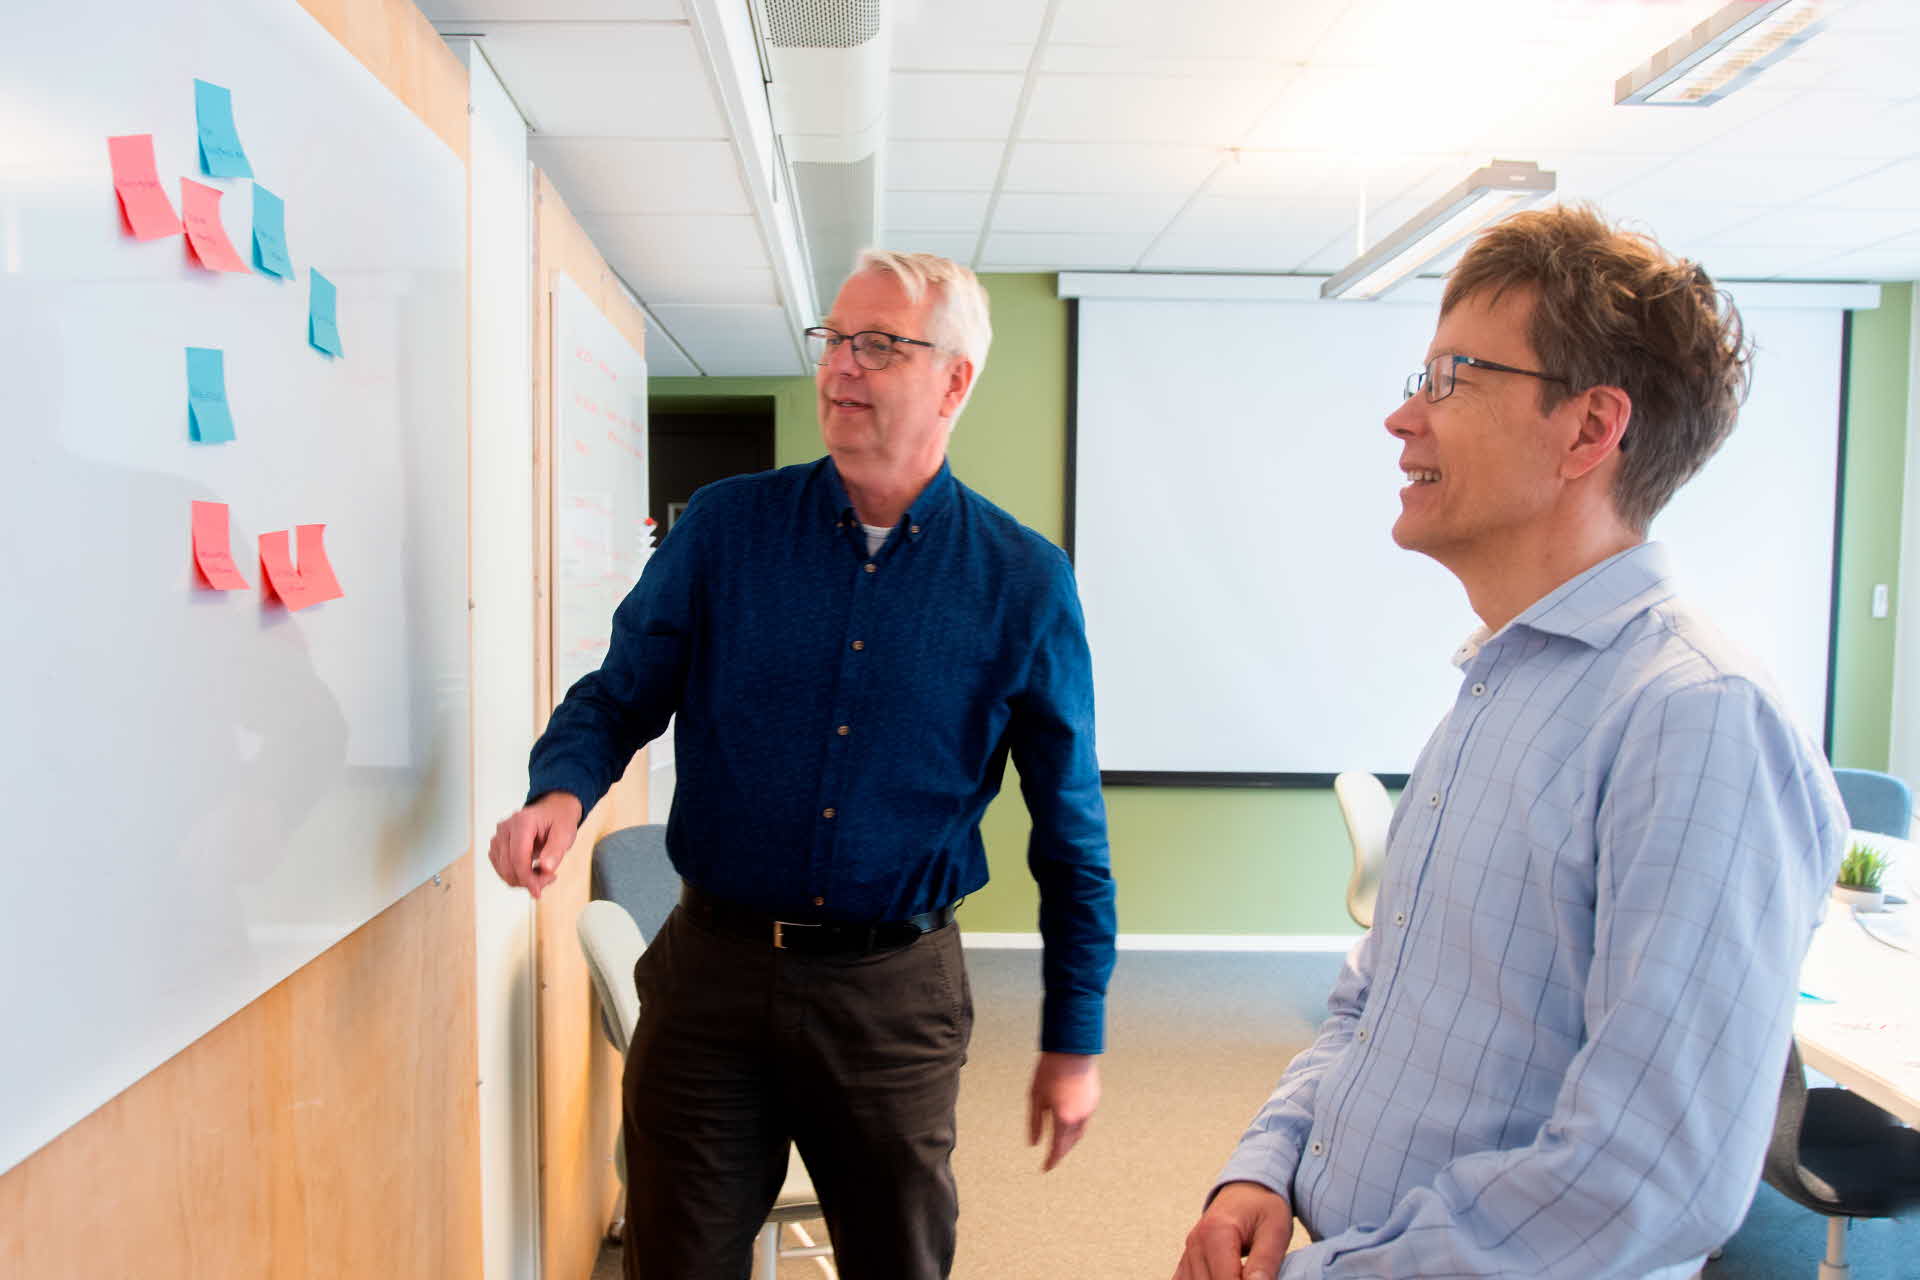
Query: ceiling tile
<point x="919" y="52"/>
<point x="1089" y="213"/>
<point x="1756" y="261"/>
<point x="1118" y="168"/>
<point x="664" y="357"/>
<point x="1885" y="264"/>
<point x="606" y="79"/>
<point x="943" y="166"/>
<point x="625" y="175"/>
<point x="1834" y="229"/>
<point x="658" y="281"/>
<point x="936" y="210"/>
<point x="1268" y="249"/>
<point x="1893" y="186"/>
<point x="965" y="105"/>
<point x="1830" y="121"/>
<point x="444" y="11"/>
<point x="1143" y="109"/>
<point x="1219" y="28"/>
<point x="918" y="22"/>
<point x="699" y="240"/>
<point x="1711" y="176"/>
<point x="735" y="341"/>
<point x="1048" y="252"/>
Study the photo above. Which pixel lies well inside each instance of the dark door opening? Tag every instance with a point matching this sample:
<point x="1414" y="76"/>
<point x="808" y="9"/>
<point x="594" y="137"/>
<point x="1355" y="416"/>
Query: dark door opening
<point x="696" y="440"/>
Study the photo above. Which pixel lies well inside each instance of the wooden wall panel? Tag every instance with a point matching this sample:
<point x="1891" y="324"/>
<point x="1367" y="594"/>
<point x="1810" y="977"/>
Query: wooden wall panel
<point x="329" y="1128"/>
<point x="579" y="1069"/>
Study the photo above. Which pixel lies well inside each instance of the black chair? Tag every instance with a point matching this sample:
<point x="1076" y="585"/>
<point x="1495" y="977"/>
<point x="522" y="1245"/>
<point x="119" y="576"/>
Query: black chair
<point x="1841" y="1156"/>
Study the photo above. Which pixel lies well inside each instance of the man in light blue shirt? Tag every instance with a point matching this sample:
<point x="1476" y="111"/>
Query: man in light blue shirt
<point x="1557" y="1053"/>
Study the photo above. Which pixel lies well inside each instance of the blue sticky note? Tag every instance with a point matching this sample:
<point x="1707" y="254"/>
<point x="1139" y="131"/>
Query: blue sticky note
<point x="323" y="328"/>
<point x="270" y="234"/>
<point x="221" y="155"/>
<point x="209" y="421"/>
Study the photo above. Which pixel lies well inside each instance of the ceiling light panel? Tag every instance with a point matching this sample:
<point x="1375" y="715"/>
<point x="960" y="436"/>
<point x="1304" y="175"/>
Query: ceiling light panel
<point x="1721" y="54"/>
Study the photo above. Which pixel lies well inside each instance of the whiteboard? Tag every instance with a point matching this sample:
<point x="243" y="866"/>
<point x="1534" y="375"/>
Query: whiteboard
<point x="1234" y="493"/>
<point x="207" y="790"/>
<point x="601" y="539"/>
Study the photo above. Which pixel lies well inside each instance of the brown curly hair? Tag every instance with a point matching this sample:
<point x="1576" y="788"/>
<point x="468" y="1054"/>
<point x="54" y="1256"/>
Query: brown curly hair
<point x="1612" y="308"/>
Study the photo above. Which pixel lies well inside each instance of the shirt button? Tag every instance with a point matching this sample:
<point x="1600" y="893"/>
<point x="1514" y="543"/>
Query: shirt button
<point x="869" y="566"/>
<point x="1361" y="1035"/>
<point x="1479" y="690"/>
<point x="842" y="731"/>
<point x="913" y="528"/>
<point x="1400" y="918"/>
<point x="1318" y="1147"/>
<point x="828" y="813"/>
<point x="1433" y="801"/>
<point x="819" y="902"/>
<point x="858" y="645"/>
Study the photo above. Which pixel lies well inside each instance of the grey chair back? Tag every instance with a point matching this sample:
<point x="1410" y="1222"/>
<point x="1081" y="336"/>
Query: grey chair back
<point x="1875" y="801"/>
<point x="630" y="867"/>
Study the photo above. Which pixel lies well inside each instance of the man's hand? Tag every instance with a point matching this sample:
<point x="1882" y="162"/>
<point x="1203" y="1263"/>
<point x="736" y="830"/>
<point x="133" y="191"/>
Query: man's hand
<point x="1244" y="1220"/>
<point x="528" y="846"/>
<point x="1066" y="1086"/>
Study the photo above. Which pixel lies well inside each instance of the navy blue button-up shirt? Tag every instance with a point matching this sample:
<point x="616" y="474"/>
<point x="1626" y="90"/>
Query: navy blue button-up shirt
<point x="845" y="718"/>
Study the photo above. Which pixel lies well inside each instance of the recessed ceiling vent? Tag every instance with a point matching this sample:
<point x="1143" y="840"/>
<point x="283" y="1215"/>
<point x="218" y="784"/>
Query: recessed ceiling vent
<point x="828" y="65"/>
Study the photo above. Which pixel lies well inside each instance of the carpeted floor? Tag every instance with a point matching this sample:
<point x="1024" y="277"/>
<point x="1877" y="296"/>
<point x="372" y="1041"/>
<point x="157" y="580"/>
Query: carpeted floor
<point x="1195" y="1043"/>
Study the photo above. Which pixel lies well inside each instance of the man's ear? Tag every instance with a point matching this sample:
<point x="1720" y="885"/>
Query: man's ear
<point x="1603" y="413"/>
<point x="959" y="381"/>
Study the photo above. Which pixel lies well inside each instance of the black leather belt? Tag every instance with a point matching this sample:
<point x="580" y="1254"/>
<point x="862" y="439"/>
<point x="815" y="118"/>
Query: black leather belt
<point x="829" y="937"/>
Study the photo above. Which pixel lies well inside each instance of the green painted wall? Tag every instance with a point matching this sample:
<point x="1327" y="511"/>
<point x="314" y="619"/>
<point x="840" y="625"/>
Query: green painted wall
<point x="1197" y="860"/>
<point x="1875" y="471"/>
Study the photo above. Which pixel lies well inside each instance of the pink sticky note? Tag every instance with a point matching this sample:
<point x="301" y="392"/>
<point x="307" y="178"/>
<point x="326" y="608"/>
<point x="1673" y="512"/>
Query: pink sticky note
<point x="205" y="233"/>
<point x="277" y="572"/>
<point x="316" y="575"/>
<point x="210" y="548"/>
<point x="143" y="201"/>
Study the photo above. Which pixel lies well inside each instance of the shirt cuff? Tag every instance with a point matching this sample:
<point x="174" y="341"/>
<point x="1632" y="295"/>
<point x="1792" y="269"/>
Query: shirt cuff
<point x="1260" y="1159"/>
<point x="575" y="782"/>
<point x="1074" y="1024"/>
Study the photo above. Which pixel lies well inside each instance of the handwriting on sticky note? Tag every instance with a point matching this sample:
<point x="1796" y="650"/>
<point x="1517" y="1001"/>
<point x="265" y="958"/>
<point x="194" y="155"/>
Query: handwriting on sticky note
<point x="277" y="574"/>
<point x="270" y="234"/>
<point x="206" y="234"/>
<point x="221" y="155"/>
<point x="209" y="418"/>
<point x="323" y="322"/>
<point x="212" y="553"/>
<point x="143" y="201"/>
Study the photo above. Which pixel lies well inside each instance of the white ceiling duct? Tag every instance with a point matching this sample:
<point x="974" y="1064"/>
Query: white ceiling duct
<point x="827" y="64"/>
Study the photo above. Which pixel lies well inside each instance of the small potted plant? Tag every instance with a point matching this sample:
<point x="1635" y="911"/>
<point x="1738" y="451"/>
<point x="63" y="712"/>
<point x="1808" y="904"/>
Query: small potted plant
<point x="1859" y="883"/>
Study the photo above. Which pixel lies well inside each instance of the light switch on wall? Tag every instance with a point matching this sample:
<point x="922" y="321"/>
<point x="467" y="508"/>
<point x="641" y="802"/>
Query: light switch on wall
<point x="1879" y="599"/>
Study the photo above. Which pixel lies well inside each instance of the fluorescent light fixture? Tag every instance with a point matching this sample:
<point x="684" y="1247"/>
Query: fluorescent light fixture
<point x="1488" y="194"/>
<point x="1721" y="54"/>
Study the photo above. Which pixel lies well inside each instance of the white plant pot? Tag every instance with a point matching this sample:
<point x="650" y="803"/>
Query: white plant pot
<point x="1859" y="899"/>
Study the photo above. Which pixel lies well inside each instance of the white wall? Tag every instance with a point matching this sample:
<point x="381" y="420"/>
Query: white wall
<point x="1904" y="752"/>
<point x="503" y="661"/>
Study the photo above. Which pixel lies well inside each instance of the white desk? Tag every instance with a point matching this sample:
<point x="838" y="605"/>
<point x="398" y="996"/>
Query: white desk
<point x="1868" y="1038"/>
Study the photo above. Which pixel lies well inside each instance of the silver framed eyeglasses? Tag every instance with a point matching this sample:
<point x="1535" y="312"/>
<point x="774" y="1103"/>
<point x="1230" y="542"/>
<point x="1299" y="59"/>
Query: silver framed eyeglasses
<point x="872" y="349"/>
<point x="1437" y="377"/>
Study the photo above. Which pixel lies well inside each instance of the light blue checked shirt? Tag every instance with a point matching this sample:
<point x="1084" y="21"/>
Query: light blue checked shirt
<point x="1558" y="1051"/>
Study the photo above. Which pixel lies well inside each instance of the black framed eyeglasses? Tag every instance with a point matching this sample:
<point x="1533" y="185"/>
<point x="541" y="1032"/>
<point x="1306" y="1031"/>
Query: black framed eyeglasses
<point x="1437" y="377"/>
<point x="872" y="349"/>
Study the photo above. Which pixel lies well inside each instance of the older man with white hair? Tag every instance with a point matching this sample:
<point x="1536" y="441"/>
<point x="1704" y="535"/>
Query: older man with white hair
<point x="854" y="648"/>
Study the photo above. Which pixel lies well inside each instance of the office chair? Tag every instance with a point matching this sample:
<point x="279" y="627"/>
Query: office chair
<point x="1875" y="801"/>
<point x="1839" y="1155"/>
<point x="1368" y="810"/>
<point x="612" y="944"/>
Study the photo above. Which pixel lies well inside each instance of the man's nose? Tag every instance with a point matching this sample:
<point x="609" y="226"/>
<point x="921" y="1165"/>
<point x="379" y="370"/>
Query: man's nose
<point x="840" y="360"/>
<point x="1405" y="420"/>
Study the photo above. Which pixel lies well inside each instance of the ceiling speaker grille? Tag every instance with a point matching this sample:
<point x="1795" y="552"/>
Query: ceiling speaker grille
<point x="822" y="24"/>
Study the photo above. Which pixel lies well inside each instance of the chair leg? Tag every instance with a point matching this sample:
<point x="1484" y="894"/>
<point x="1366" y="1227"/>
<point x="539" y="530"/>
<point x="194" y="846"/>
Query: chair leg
<point x="766" y="1253"/>
<point x="1834" y="1265"/>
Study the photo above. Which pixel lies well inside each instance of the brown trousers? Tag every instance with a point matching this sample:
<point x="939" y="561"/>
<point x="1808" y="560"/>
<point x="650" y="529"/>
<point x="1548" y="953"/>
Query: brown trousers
<point x="742" y="1049"/>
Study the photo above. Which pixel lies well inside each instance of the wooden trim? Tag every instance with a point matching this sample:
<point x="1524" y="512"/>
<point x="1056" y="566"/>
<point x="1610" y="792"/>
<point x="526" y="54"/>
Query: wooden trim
<point x="395" y="41"/>
<point x="579" y="1069"/>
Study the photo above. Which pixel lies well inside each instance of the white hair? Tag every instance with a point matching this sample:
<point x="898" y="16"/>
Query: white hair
<point x="958" y="322"/>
